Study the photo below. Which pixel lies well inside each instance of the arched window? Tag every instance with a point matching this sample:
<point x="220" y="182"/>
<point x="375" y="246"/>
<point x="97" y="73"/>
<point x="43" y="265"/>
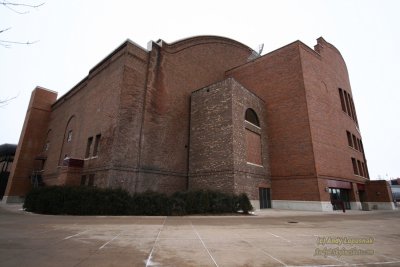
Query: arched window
<point x="251" y="117"/>
<point x="69" y="139"/>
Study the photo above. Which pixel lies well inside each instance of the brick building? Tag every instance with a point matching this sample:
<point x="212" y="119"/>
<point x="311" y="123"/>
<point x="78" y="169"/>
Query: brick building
<point x="205" y="112"/>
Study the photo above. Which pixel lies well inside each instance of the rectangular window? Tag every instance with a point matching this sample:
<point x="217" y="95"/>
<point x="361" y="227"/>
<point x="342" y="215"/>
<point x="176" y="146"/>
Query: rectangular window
<point x="364" y="169"/>
<point x="342" y="100"/>
<point x="349" y="140"/>
<point x="348" y="103"/>
<point x="96" y="145"/>
<point x="355" y="144"/>
<point x="88" y="147"/>
<point x="69" y="138"/>
<point x="83" y="180"/>
<point x="354" y="111"/>
<point x="360" y="168"/>
<point x="353" y="161"/>
<point x="91" y="180"/>
<point x="361" y="147"/>
<point x="253" y="147"/>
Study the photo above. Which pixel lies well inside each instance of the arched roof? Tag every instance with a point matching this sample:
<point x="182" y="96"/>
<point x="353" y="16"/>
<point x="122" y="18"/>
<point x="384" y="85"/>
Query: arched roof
<point x="200" y="40"/>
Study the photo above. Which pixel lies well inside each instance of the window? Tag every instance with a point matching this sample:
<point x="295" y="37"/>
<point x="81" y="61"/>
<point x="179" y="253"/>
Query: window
<point x="91" y="180"/>
<point x="353" y="161"/>
<point x="349" y="140"/>
<point x="354" y="110"/>
<point x="348" y="104"/>
<point x="69" y="138"/>
<point x="360" y="168"/>
<point x="83" y="180"/>
<point x="361" y="147"/>
<point x="355" y="143"/>
<point x="365" y="168"/>
<point x="342" y="100"/>
<point x="88" y="147"/>
<point x="96" y="145"/>
<point x="253" y="148"/>
<point x="251" y="117"/>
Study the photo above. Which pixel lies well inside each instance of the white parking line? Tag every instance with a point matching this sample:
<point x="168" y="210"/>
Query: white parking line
<point x="68" y="237"/>
<point x="390" y="258"/>
<point x="264" y="252"/>
<point x="336" y="259"/>
<point x="287" y="240"/>
<point x="348" y="264"/>
<point x="204" y="245"/>
<point x="148" y="261"/>
<point x="105" y="244"/>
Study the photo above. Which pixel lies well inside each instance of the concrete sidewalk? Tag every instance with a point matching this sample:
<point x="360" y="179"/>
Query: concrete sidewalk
<point x="271" y="238"/>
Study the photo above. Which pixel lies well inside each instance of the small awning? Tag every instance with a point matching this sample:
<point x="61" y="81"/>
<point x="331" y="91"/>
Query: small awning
<point x="339" y="184"/>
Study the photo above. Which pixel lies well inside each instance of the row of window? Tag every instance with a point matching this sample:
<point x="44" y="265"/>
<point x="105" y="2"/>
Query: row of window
<point x="95" y="151"/>
<point x="354" y="142"/>
<point x="347" y="104"/>
<point x="359" y="168"/>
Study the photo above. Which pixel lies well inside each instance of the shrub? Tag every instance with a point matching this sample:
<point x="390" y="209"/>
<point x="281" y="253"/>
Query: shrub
<point x="244" y="204"/>
<point x="150" y="203"/>
<point x="97" y="201"/>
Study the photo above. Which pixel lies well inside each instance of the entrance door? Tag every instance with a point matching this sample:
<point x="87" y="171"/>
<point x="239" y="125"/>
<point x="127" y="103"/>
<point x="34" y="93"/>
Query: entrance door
<point x="339" y="197"/>
<point x="265" y="198"/>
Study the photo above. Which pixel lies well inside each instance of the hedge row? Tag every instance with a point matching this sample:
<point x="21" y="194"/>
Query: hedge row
<point x="97" y="201"/>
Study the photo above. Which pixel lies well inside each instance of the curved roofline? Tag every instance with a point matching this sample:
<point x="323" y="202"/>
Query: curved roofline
<point x="185" y="43"/>
<point x="8" y="149"/>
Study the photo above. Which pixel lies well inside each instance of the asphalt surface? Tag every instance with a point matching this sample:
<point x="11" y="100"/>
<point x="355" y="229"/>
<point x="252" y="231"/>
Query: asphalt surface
<point x="268" y="238"/>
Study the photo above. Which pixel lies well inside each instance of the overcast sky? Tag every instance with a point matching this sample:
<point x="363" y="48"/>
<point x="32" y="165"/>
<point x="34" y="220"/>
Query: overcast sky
<point x="75" y="35"/>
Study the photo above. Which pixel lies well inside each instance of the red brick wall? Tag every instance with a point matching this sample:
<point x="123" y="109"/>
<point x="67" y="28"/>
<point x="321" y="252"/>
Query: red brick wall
<point x="107" y="102"/>
<point x="31" y="142"/>
<point x="277" y="79"/>
<point x="378" y="191"/>
<point x="175" y="71"/>
<point x="324" y="72"/>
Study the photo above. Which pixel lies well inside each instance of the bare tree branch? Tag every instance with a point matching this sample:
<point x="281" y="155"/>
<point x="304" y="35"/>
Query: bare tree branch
<point x="6" y="101"/>
<point x="1" y="31"/>
<point x="23" y="43"/>
<point x="11" y="5"/>
<point x="6" y="3"/>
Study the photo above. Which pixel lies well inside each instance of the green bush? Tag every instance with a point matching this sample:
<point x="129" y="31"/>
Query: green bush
<point x="244" y="204"/>
<point x="97" y="201"/>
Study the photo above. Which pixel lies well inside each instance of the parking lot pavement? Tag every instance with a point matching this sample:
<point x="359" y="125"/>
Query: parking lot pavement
<point x="269" y="238"/>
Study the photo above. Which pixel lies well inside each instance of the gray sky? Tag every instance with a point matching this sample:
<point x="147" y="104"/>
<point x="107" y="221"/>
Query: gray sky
<point x="75" y="35"/>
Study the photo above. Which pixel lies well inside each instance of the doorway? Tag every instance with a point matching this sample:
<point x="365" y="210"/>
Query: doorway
<point x="339" y="197"/>
<point x="265" y="197"/>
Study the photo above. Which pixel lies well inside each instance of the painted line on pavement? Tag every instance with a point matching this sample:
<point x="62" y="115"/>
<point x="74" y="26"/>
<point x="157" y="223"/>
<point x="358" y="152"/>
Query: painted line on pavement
<point x="287" y="240"/>
<point x="105" y="244"/>
<point x="349" y="264"/>
<point x="68" y="237"/>
<point x="148" y="261"/>
<point x="264" y="252"/>
<point x="204" y="245"/>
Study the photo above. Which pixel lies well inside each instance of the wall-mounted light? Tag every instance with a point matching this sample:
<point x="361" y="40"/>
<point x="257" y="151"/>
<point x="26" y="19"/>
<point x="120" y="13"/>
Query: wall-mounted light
<point x="378" y="193"/>
<point x="326" y="189"/>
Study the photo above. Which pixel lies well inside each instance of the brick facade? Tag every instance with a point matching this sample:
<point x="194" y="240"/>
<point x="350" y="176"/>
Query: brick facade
<point x="174" y="117"/>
